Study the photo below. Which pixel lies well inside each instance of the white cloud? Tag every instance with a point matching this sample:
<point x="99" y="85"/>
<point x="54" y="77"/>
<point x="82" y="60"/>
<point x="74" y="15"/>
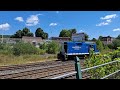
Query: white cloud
<point x="20" y="19"/>
<point x="81" y="31"/>
<point x="32" y="20"/>
<point x="109" y="16"/>
<point x="57" y="11"/>
<point x="53" y="24"/>
<point x="117" y="29"/>
<point x="109" y="20"/>
<point x="102" y="24"/>
<point x="5" y="26"/>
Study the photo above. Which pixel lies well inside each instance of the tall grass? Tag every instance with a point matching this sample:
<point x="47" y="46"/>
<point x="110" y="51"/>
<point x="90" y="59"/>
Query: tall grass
<point x="23" y="59"/>
<point x="22" y="53"/>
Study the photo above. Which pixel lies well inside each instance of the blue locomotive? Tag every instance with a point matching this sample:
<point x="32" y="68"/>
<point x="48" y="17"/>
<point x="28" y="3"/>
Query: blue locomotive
<point x="71" y="49"/>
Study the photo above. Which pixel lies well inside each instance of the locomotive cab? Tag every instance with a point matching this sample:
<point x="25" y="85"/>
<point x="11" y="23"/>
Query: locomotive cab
<point x="71" y="49"/>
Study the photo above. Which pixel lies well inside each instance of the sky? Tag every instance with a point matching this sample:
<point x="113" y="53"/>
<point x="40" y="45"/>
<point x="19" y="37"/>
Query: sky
<point x="94" y="23"/>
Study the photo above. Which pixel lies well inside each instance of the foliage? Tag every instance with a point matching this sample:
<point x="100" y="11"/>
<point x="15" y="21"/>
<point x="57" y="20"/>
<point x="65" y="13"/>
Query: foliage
<point x="67" y="33"/>
<point x="116" y="43"/>
<point x="40" y="33"/>
<point x="110" y="46"/>
<point x="118" y="37"/>
<point x="86" y="37"/>
<point x="24" y="32"/>
<point x="100" y="38"/>
<point x="5" y="48"/>
<point x="44" y="47"/>
<point x="73" y="31"/>
<point x="21" y="48"/>
<point x="100" y="59"/>
<point x="42" y="51"/>
<point x="99" y="45"/>
<point x="24" y="59"/>
<point x="5" y="36"/>
<point x="64" y="33"/>
<point x="53" y="47"/>
<point x="105" y="47"/>
<point x="30" y="34"/>
<point x="94" y="39"/>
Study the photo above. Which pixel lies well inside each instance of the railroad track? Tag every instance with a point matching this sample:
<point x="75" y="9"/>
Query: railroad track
<point x="43" y="70"/>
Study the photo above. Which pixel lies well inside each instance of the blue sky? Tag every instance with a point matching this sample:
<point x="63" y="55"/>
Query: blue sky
<point x="94" y="23"/>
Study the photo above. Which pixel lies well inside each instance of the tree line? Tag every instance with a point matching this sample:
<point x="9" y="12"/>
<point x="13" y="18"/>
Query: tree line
<point x="40" y="33"/>
<point x="65" y="33"/>
<point x="26" y="32"/>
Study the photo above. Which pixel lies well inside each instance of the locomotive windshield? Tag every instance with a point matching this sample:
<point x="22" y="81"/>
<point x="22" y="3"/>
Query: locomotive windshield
<point x="65" y="47"/>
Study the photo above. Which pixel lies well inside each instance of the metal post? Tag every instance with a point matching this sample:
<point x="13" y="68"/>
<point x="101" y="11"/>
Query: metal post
<point x="78" y="68"/>
<point x="2" y="38"/>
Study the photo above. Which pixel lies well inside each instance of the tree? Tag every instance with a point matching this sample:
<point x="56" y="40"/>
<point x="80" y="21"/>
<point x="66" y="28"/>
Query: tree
<point x="110" y="46"/>
<point x="99" y="45"/>
<point x="40" y="33"/>
<point x="86" y="37"/>
<point x="73" y="31"/>
<point x="5" y="36"/>
<point x="65" y="33"/>
<point x="100" y="38"/>
<point x="18" y="34"/>
<point x="116" y="43"/>
<point x="94" y="39"/>
<point x="24" y="32"/>
<point x="118" y="37"/>
<point x="45" y="35"/>
<point x="30" y="34"/>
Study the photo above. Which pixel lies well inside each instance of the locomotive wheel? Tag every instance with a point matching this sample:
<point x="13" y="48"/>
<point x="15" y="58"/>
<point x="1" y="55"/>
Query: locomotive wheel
<point x="58" y="56"/>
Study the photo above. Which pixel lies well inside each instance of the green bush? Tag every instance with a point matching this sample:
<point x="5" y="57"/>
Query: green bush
<point x="100" y="59"/>
<point x="5" y="49"/>
<point x="100" y="46"/>
<point x="42" y="51"/>
<point x="25" y="48"/>
<point x="43" y="46"/>
<point x="53" y="47"/>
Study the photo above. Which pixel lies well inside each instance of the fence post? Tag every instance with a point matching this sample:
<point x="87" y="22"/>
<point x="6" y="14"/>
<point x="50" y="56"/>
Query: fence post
<point x="78" y="68"/>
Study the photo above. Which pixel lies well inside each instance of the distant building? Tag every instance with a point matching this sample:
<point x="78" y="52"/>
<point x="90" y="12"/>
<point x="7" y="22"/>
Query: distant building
<point x="60" y="38"/>
<point x="32" y="40"/>
<point x="78" y="37"/>
<point x="107" y="40"/>
<point x="10" y="40"/>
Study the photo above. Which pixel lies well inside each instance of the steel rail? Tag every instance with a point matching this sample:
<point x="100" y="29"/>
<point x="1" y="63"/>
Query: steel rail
<point x="65" y="75"/>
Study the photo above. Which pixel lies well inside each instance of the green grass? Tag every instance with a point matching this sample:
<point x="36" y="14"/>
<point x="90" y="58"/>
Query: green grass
<point x="23" y="59"/>
<point x="105" y="51"/>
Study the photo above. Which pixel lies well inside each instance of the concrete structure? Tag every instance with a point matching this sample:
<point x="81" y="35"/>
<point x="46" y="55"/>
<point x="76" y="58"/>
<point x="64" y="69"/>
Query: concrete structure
<point x="107" y="40"/>
<point x="60" y="38"/>
<point x="78" y="37"/>
<point x="32" y="40"/>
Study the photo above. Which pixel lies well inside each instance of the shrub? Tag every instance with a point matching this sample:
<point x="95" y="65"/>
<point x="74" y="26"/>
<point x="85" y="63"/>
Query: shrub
<point x="25" y="48"/>
<point x="100" y="59"/>
<point x="43" y="46"/>
<point x="53" y="47"/>
<point x="42" y="51"/>
<point x="5" y="49"/>
<point x="99" y="45"/>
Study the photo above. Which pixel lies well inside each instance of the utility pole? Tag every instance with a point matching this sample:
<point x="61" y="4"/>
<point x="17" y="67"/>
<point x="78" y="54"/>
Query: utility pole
<point x="2" y="36"/>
